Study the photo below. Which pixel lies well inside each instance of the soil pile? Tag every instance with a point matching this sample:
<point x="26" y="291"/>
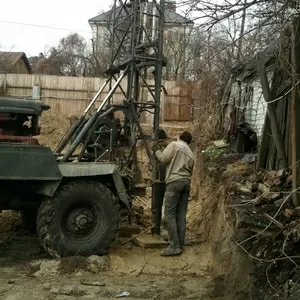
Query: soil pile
<point x="53" y="128"/>
<point x="9" y="221"/>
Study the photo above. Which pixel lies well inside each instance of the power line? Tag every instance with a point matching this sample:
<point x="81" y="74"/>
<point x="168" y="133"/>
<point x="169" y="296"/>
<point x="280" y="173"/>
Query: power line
<point x="43" y="26"/>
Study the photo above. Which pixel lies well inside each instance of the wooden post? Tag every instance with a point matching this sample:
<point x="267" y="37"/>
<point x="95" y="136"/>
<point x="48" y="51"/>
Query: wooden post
<point x="295" y="110"/>
<point x="276" y="133"/>
<point x="224" y="104"/>
<point x="264" y="145"/>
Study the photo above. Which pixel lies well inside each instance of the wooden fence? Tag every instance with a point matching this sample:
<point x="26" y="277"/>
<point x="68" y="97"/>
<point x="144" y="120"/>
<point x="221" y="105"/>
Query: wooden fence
<point x="71" y="95"/>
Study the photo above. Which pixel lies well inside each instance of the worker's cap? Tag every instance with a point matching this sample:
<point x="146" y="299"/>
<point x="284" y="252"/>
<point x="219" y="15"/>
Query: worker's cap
<point x="186" y="137"/>
<point x="162" y="135"/>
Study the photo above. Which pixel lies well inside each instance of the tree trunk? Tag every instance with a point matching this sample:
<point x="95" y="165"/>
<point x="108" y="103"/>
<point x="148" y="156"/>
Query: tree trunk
<point x="275" y="129"/>
<point x="295" y="109"/>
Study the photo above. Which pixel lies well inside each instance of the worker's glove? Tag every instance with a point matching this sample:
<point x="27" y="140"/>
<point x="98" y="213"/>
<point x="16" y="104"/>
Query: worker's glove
<point x="155" y="147"/>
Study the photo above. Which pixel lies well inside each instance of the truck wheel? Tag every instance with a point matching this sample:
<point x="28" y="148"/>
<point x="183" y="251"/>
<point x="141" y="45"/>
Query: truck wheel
<point x="81" y="219"/>
<point x="29" y="219"/>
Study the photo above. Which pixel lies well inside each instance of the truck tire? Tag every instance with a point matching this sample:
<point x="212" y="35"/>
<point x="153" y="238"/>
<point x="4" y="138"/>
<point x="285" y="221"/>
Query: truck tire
<point x="81" y="219"/>
<point x="29" y="219"/>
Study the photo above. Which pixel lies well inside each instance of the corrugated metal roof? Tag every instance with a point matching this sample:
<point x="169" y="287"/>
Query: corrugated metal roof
<point x="268" y="55"/>
<point x="170" y="16"/>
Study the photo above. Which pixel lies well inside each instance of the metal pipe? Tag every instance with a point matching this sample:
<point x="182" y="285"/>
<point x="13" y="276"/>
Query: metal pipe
<point x="90" y="133"/>
<point x="80" y="121"/>
<point x="80" y="136"/>
<point x="85" y="145"/>
<point x="101" y="155"/>
<point x="131" y="75"/>
<point x="145" y="19"/>
<point x="121" y="88"/>
<point x="158" y="86"/>
<point x="68" y="135"/>
<point x="113" y="89"/>
<point x="110" y="144"/>
<point x="158" y="68"/>
<point x="97" y="95"/>
<point x="94" y="118"/>
<point x="113" y="25"/>
<point x="154" y="20"/>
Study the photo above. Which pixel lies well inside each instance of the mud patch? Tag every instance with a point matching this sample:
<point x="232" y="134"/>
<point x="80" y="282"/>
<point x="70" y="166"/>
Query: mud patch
<point x="47" y="267"/>
<point x="10" y="221"/>
<point x="73" y="265"/>
<point x="97" y="264"/>
<point x="70" y="265"/>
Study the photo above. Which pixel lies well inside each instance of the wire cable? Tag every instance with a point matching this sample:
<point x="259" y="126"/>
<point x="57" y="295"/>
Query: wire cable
<point x="43" y="26"/>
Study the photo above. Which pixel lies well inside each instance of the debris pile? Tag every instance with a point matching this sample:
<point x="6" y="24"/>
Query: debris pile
<point x="269" y="193"/>
<point x="268" y="226"/>
<point x="268" y="187"/>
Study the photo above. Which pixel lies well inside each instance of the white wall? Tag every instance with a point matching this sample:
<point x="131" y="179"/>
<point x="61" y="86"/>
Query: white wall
<point x="255" y="109"/>
<point x="255" y="112"/>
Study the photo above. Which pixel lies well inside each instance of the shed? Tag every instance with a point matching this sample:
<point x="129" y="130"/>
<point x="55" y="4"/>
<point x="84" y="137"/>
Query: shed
<point x="14" y="62"/>
<point x="245" y="99"/>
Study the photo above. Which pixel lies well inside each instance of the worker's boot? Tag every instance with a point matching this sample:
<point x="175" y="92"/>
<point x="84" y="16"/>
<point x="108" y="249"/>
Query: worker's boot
<point x="171" y="252"/>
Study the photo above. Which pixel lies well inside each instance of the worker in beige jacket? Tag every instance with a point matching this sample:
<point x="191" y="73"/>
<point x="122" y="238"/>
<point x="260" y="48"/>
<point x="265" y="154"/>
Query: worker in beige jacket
<point x="180" y="162"/>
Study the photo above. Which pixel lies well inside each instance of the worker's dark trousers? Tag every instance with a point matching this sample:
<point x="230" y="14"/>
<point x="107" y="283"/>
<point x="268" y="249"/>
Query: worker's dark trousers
<point x="157" y="203"/>
<point x="176" y="203"/>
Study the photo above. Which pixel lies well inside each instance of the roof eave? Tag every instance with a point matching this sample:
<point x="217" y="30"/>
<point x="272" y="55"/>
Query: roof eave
<point x="97" y="22"/>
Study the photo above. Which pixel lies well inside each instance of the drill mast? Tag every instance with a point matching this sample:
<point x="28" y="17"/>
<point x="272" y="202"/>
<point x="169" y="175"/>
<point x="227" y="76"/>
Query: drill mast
<point x="135" y="43"/>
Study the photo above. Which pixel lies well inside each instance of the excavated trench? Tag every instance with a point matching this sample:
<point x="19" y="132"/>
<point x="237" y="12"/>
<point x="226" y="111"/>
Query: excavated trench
<point x="252" y="235"/>
<point x="230" y="268"/>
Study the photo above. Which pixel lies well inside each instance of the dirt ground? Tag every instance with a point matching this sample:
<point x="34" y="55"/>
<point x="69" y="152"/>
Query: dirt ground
<point x="27" y="272"/>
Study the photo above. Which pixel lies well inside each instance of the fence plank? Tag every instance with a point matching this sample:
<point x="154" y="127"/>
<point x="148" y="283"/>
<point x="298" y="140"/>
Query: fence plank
<point x="71" y="95"/>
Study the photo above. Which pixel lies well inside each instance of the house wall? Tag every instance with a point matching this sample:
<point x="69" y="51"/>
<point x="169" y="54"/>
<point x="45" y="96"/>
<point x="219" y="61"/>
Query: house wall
<point x="253" y="106"/>
<point x="174" y="47"/>
<point x="20" y="67"/>
<point x="256" y="111"/>
<point x="100" y="34"/>
<point x="175" y="50"/>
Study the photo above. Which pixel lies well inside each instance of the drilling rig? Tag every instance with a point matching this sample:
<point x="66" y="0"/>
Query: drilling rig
<point x="78" y="192"/>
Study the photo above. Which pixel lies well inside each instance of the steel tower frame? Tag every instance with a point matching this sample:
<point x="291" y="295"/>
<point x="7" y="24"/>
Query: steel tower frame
<point x="133" y="52"/>
<point x="135" y="40"/>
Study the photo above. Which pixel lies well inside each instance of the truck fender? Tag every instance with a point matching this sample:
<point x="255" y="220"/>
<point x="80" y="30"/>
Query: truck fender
<point x="48" y="188"/>
<point x="82" y="170"/>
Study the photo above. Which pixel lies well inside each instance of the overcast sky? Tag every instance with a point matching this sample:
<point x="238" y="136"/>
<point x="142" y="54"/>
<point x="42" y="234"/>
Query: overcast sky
<point x="66" y="14"/>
